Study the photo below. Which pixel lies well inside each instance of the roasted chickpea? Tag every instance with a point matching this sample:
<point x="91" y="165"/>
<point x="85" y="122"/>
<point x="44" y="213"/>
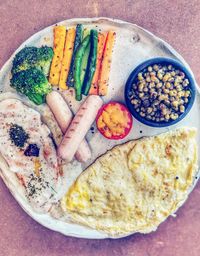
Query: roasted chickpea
<point x="187" y="94"/>
<point x="148" y="79"/>
<point x="166" y="77"/>
<point x="160" y="93"/>
<point x="156" y="67"/>
<point x="149" y="110"/>
<point x="167" y="117"/>
<point x="141" y="95"/>
<point x="182" y="109"/>
<point x="175" y="104"/>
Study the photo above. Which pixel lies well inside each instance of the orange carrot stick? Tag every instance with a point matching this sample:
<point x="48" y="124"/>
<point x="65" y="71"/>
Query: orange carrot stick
<point x="56" y="65"/>
<point x="106" y="64"/>
<point x="68" y="51"/>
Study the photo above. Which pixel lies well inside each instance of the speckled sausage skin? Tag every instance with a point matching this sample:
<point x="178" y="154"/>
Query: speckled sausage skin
<point x="64" y="116"/>
<point x="79" y="127"/>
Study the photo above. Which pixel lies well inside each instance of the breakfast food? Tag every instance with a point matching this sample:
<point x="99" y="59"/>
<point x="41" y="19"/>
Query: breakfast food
<point x="29" y="72"/>
<point x="92" y="59"/>
<point x="136" y="186"/>
<point x="68" y="51"/>
<point x="78" y="39"/>
<point x="77" y="67"/>
<point x="160" y="93"/>
<point x="106" y="64"/>
<point x="64" y="117"/>
<point x="114" y="121"/>
<point x="79" y="127"/>
<point x="82" y="59"/>
<point x="29" y="153"/>
<point x="63" y="146"/>
<point x="100" y="49"/>
<point x="59" y="44"/>
<point x="29" y="57"/>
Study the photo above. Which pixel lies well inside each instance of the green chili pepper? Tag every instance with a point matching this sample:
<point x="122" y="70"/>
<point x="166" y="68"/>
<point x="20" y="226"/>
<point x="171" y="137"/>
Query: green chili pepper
<point x="78" y="63"/>
<point x="91" y="66"/>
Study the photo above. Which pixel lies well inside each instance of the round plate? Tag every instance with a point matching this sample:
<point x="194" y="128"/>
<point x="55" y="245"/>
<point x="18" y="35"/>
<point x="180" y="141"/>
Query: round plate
<point x="133" y="46"/>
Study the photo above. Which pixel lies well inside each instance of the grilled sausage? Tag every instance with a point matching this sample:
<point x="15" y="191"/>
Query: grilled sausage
<point x="79" y="127"/>
<point x="64" y="116"/>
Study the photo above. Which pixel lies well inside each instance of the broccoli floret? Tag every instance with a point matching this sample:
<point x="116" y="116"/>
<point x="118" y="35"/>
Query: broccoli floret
<point x="32" y="83"/>
<point x="45" y="56"/>
<point x="24" y="59"/>
<point x="30" y="57"/>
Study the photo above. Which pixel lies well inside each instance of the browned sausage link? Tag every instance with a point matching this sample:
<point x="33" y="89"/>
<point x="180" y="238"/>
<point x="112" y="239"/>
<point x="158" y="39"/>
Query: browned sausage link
<point x="63" y="116"/>
<point x="79" y="127"/>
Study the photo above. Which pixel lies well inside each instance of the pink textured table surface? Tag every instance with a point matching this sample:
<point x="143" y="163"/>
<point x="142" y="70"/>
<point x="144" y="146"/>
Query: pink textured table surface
<point x="176" y="21"/>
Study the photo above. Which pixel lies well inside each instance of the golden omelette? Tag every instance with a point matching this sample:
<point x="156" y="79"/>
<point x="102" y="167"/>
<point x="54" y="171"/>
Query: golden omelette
<point x="135" y="186"/>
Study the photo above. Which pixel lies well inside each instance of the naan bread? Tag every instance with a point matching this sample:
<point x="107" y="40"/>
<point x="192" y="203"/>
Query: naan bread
<point x="135" y="186"/>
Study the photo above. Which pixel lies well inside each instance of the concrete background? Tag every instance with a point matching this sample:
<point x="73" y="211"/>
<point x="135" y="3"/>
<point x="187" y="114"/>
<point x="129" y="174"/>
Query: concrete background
<point x="177" y="22"/>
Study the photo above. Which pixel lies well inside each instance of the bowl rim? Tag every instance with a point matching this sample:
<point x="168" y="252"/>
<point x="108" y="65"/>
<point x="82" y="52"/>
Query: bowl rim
<point x="143" y="65"/>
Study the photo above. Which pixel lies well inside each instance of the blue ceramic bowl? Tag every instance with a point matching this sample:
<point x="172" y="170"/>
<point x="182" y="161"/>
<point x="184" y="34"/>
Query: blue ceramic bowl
<point x="163" y="61"/>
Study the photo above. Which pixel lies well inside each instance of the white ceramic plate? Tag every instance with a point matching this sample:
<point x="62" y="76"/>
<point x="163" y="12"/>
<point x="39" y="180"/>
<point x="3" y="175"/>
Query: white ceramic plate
<point x="133" y="46"/>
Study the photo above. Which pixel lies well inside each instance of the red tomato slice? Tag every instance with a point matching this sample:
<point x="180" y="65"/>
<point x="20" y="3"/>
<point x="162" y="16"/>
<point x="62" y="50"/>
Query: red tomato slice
<point x="114" y="121"/>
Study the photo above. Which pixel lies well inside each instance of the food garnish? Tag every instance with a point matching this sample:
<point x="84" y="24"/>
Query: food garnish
<point x="106" y="64"/>
<point x="100" y="48"/>
<point x="32" y="83"/>
<point x="114" y="121"/>
<point x="59" y="44"/>
<point x="91" y="65"/>
<point x="68" y="51"/>
<point x="32" y="150"/>
<point x="30" y="57"/>
<point x="160" y="93"/>
<point x="18" y="135"/>
<point x="78" y="39"/>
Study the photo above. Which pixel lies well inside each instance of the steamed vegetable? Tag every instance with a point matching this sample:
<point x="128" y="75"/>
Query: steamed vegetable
<point x="32" y="83"/>
<point x="78" y="39"/>
<point x="100" y="48"/>
<point x="30" y="57"/>
<point x="114" y="121"/>
<point x="106" y="64"/>
<point x="78" y="63"/>
<point x="86" y="32"/>
<point x="68" y="51"/>
<point x="56" y="65"/>
<point x="91" y="66"/>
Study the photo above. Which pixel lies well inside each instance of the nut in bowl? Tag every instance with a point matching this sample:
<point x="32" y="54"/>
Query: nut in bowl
<point x="160" y="92"/>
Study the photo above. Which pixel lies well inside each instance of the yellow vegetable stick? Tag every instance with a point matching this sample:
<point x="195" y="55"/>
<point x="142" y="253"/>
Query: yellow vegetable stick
<point x="106" y="64"/>
<point x="59" y="43"/>
<point x="68" y="51"/>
